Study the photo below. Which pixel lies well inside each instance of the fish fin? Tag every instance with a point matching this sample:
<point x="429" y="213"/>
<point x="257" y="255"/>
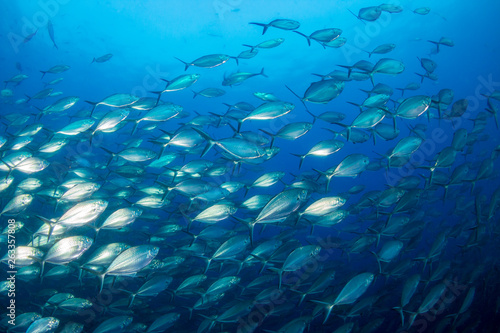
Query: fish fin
<point x="100" y="275"/>
<point x="356" y="16"/>
<point x="236" y="59"/>
<point x="280" y="274"/>
<point x="250" y="46"/>
<point x="271" y="135"/>
<point x="262" y="73"/>
<point x="186" y="65"/>
<point x="307" y="37"/>
<point x="320" y="75"/>
<point x="265" y="26"/>
<point x="302" y="157"/>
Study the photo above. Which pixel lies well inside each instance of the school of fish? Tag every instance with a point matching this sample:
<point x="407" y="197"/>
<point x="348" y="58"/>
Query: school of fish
<point x="138" y="215"/>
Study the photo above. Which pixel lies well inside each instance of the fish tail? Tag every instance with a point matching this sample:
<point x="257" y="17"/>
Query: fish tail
<point x="280" y="274"/>
<point x="312" y="115"/>
<point x="109" y="152"/>
<point x="320" y="75"/>
<point x="378" y="262"/>
<point x="250" y="46"/>
<point x="186" y="65"/>
<point x="421" y="77"/>
<point x="356" y="16"/>
<point x="307" y="37"/>
<point x="100" y="275"/>
<point x="93" y="59"/>
<point x="358" y="105"/>
<point x="94" y="104"/>
<point x="413" y="315"/>
<point x="271" y="135"/>
<point x="265" y="26"/>
<point x="236" y="59"/>
<point x="262" y="73"/>
<point x="302" y="157"/>
<point x="209" y="140"/>
<point x="195" y="93"/>
<point x="400" y="311"/>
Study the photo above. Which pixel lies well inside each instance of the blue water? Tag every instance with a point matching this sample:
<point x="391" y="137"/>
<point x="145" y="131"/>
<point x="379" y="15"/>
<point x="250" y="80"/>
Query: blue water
<point x="144" y="37"/>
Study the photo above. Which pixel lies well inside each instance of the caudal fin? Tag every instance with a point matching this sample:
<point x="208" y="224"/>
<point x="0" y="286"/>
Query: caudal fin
<point x="306" y="37"/>
<point x="186" y="65"/>
<point x="262" y="73"/>
<point x="265" y="26"/>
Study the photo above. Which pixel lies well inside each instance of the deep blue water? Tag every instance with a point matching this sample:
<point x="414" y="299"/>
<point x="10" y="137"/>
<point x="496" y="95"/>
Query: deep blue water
<point x="144" y="37"/>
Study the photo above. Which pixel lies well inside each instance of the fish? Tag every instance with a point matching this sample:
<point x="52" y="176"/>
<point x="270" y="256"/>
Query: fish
<point x="321" y="92"/>
<point x="17" y="205"/>
<point x="65" y="251"/>
<point x="103" y="58"/>
<point x="322" y="148"/>
<point x="50" y="29"/>
<point x="56" y="70"/>
<point x="351" y="166"/>
<point x="322" y="36"/>
<point x="382" y="49"/>
<point x="422" y="10"/>
<point x="41" y="94"/>
<point x="430" y="299"/>
<point x="61" y="105"/>
<point x="210" y="92"/>
<point x="442" y="41"/>
<point x="80" y="214"/>
<point x="115" y="101"/>
<point x="128" y="262"/>
<point x="208" y="61"/>
<point x="296" y="259"/>
<point x="239" y="77"/>
<point x="268" y="44"/>
<point x="356" y="287"/>
<point x="369" y="14"/>
<point x="283" y="24"/>
<point x="290" y="131"/>
<point x="390" y="8"/>
<point x="267" y="111"/>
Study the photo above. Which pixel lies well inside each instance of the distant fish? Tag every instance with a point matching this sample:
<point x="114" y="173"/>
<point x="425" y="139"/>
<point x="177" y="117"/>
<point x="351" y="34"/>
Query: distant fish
<point x="238" y="78"/>
<point x="103" y="58"/>
<point x="322" y="36"/>
<point x="283" y="24"/>
<point x="268" y="44"/>
<point x="391" y="8"/>
<point x="382" y="49"/>
<point x="41" y="94"/>
<point x="56" y="70"/>
<point x="443" y="41"/>
<point x="115" y="101"/>
<point x="369" y="14"/>
<point x="422" y="10"/>
<point x="210" y="92"/>
<point x="17" y="79"/>
<point x="30" y="36"/>
<point x="50" y="29"/>
<point x="208" y="61"/>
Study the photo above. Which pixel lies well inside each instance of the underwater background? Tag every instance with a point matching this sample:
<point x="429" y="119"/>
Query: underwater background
<point x="403" y="236"/>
